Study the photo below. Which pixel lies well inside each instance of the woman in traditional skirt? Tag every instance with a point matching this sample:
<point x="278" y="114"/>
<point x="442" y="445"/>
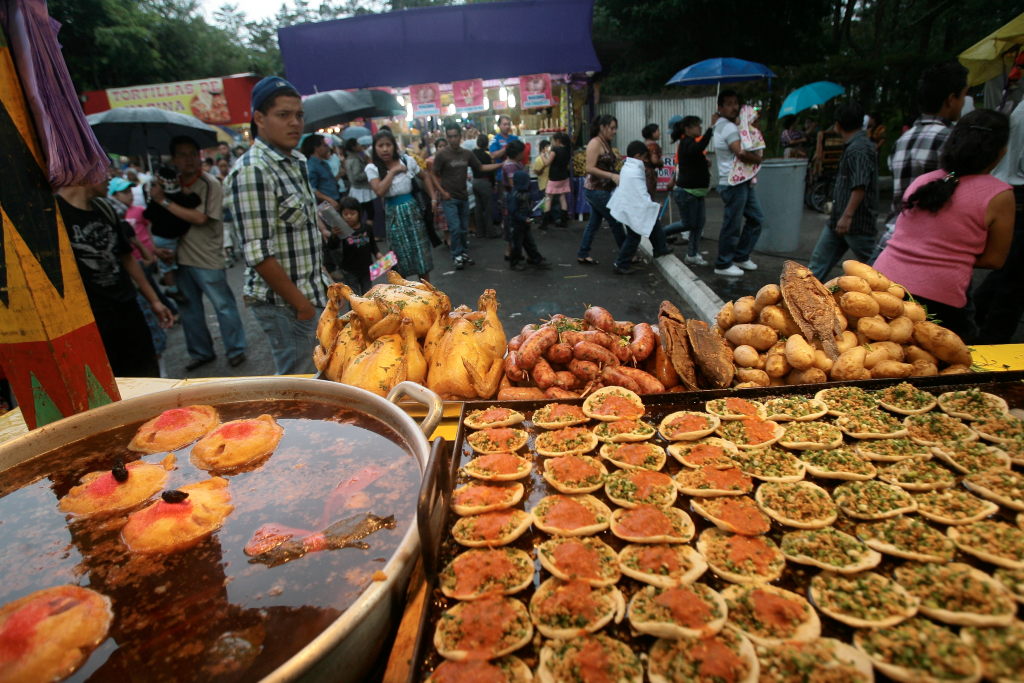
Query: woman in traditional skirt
<point x="390" y="176"/>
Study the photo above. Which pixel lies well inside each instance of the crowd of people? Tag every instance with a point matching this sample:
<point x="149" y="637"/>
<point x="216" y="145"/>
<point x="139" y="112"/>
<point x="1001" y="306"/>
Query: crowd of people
<point x="299" y="210"/>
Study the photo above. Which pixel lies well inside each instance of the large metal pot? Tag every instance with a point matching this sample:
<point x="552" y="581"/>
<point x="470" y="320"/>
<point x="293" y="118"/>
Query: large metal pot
<point x="347" y="649"/>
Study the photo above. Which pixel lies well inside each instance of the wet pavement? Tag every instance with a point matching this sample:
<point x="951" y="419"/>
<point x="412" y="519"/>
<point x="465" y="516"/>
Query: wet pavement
<point x="524" y="297"/>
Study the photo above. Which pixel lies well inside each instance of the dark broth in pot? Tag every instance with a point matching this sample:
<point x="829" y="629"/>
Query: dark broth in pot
<point x="211" y="612"/>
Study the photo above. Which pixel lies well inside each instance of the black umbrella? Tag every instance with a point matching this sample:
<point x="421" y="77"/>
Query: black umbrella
<point x="147" y="130"/>
<point x="335" y="107"/>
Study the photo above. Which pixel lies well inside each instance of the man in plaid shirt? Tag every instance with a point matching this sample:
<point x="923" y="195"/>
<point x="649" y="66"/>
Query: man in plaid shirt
<point x="940" y="95"/>
<point x="275" y="212"/>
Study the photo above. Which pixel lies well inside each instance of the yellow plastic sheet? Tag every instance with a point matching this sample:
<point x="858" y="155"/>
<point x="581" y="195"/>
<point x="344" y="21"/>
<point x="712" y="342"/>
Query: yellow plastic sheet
<point x="999" y="358"/>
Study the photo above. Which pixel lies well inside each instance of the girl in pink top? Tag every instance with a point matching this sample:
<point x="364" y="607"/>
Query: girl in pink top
<point x="953" y="220"/>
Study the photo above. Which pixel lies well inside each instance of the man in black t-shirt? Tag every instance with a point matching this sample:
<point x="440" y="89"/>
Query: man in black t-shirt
<point x="107" y="267"/>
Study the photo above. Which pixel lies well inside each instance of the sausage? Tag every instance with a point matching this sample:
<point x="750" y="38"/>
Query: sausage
<point x="543" y="375"/>
<point x="623" y="328"/>
<point x="515" y="342"/>
<point x="571" y="337"/>
<point x="520" y="394"/>
<point x="528" y="330"/>
<point x="600" y="319"/>
<point x="559" y="353"/>
<point x="614" y="377"/>
<point x="565" y="380"/>
<point x="534" y="347"/>
<point x="505" y="383"/>
<point x="512" y="369"/>
<point x="584" y="369"/>
<point x="664" y="371"/>
<point x="647" y="382"/>
<point x="609" y="341"/>
<point x="643" y="342"/>
<point x="555" y="392"/>
<point x="594" y="353"/>
<point x="621" y="350"/>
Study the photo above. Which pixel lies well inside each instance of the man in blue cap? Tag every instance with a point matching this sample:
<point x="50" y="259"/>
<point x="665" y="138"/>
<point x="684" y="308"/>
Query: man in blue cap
<point x="275" y="214"/>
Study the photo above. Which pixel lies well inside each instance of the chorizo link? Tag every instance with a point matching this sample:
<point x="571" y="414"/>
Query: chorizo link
<point x="515" y="342"/>
<point x="543" y="375"/>
<point x="512" y="369"/>
<point x="594" y="353"/>
<point x="520" y="394"/>
<point x="643" y="342"/>
<point x="559" y="353"/>
<point x="556" y="392"/>
<point x="584" y="369"/>
<point x="648" y="383"/>
<point x="614" y="377"/>
<point x="533" y="348"/>
<point x="565" y="380"/>
<point x="600" y="318"/>
<point x="624" y="328"/>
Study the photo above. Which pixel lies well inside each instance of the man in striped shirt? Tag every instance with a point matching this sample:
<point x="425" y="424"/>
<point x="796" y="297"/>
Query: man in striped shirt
<point x="940" y="95"/>
<point x="275" y="213"/>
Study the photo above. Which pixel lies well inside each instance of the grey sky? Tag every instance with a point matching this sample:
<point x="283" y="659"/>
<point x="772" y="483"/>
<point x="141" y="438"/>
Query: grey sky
<point x="254" y="9"/>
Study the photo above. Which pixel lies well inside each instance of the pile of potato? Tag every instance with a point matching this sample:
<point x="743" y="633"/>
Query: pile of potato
<point x="885" y="335"/>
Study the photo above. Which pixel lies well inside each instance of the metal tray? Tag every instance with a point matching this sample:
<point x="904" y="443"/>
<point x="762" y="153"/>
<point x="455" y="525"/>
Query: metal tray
<point x="440" y="548"/>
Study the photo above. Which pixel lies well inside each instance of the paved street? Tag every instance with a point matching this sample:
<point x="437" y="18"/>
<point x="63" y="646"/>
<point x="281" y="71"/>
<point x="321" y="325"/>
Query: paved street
<point x="524" y="297"/>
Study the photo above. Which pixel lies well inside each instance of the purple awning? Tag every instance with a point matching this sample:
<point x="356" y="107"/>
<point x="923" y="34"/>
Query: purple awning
<point x="440" y="44"/>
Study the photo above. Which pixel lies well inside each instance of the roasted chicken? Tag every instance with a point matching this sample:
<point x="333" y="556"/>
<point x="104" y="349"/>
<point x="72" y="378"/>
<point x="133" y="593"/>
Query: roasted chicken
<point x="393" y="357"/>
<point x="418" y="301"/>
<point x="466" y="351"/>
<point x="334" y="355"/>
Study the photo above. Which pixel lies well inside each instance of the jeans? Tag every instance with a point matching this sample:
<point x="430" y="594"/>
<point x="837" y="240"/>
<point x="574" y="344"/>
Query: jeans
<point x="194" y="282"/>
<point x="831" y="247"/>
<point x="521" y="238"/>
<point x="1000" y="298"/>
<point x="165" y="243"/>
<point x="456" y="212"/>
<point x="628" y="247"/>
<point x="734" y="244"/>
<point x="484" y="192"/>
<point x="598" y="200"/>
<point x="359" y="282"/>
<point x="659" y="239"/>
<point x="291" y="340"/>
<point x="149" y="271"/>
<point x="692" y="217"/>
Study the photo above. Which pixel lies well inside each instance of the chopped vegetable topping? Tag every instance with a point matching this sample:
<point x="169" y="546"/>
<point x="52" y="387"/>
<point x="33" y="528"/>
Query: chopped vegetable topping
<point x="768" y="462"/>
<point x="847" y="399"/>
<point x="838" y="460"/>
<point x="871" y="497"/>
<point x="867" y="596"/>
<point x="922" y="646"/>
<point x="909" y="535"/>
<point x="905" y="396"/>
<point x="954" y="587"/>
<point x="797" y="502"/>
<point x="828" y="545"/>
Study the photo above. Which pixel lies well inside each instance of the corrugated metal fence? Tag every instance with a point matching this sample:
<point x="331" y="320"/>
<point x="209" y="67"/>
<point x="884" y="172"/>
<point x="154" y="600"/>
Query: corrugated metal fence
<point x="633" y="115"/>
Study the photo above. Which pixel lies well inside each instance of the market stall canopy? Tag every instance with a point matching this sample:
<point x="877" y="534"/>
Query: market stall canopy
<point x="341" y="106"/>
<point x="136" y="131"/>
<point x="809" y="96"/>
<point x="721" y="70"/>
<point x="440" y="45"/>
<point x="993" y="56"/>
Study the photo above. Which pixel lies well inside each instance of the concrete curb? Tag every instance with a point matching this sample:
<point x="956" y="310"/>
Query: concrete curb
<point x="686" y="284"/>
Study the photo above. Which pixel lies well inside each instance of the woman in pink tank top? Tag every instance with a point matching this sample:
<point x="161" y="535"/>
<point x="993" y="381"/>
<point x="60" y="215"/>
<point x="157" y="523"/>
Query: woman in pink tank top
<point x="953" y="220"/>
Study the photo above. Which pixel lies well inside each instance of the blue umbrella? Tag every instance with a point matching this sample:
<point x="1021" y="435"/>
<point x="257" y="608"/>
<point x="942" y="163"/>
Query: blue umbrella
<point x="809" y="96"/>
<point x="354" y="132"/>
<point x="721" y="70"/>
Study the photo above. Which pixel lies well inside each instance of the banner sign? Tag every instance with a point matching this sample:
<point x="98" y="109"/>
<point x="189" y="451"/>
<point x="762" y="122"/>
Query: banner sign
<point x="666" y="172"/>
<point x="535" y="91"/>
<point x="426" y="99"/>
<point x="203" y="99"/>
<point x="468" y="95"/>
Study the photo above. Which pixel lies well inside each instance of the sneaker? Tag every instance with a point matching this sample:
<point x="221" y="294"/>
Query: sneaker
<point x="684" y="238"/>
<point x="747" y="265"/>
<point x="471" y="262"/>
<point x="732" y="271"/>
<point x="543" y="264"/>
<point x="668" y="250"/>
<point x="697" y="260"/>
<point x="518" y="267"/>
<point x="459" y="264"/>
<point x="623" y="271"/>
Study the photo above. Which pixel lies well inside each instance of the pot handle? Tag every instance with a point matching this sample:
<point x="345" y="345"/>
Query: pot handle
<point x="435" y="490"/>
<point x="420" y="394"/>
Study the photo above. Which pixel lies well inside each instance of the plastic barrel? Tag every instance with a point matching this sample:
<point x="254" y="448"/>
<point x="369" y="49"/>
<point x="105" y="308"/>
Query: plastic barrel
<point x="780" y="189"/>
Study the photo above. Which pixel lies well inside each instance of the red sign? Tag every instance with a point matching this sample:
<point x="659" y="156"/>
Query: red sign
<point x="426" y="99"/>
<point x="535" y="91"/>
<point x="468" y="95"/>
<point x="666" y="172"/>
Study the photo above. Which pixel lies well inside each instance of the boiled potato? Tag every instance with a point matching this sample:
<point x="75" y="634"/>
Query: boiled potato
<point x="808" y="376"/>
<point x="875" y="280"/>
<point x="799" y="353"/>
<point x="777" y="365"/>
<point x="942" y="343"/>
<point x="841" y="317"/>
<point x="888" y="305"/>
<point x="834" y="282"/>
<point x="822" y="361"/>
<point x="956" y="369"/>
<point x="718" y="330"/>
<point x="767" y="296"/>
<point x="914" y="311"/>
<point x="915" y="353"/>
<point x="758" y="377"/>
<point x="894" y="350"/>
<point x="858" y="305"/>
<point x="897" y="291"/>
<point x="746" y="385"/>
<point x="874" y="329"/>
<point x="850" y="365"/>
<point x="852" y="283"/>
<point x="923" y="368"/>
<point x="774" y="317"/>
<point x="875" y="355"/>
<point x="745" y="356"/>
<point x="901" y="329"/>
<point x="743" y="310"/>
<point x="725" y="318"/>
<point x="891" y="368"/>
<point x="846" y="341"/>
<point x="761" y="337"/>
<point x="762" y="360"/>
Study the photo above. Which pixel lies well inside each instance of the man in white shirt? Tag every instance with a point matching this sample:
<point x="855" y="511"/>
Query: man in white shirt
<point x="734" y="244"/>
